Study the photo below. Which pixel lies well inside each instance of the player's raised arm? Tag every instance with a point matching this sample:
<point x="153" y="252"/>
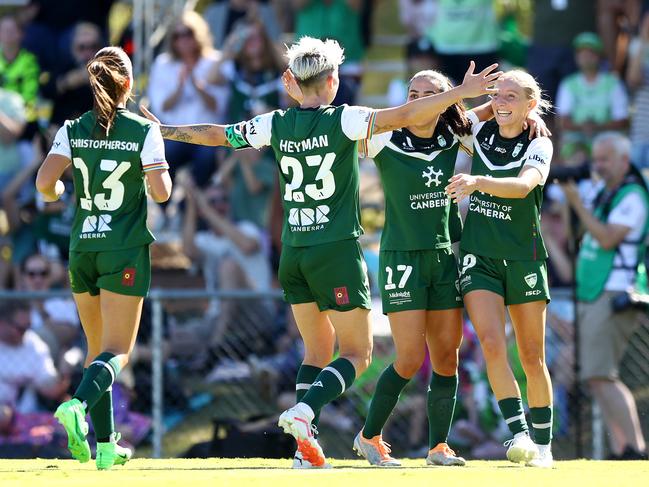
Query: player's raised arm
<point x="419" y="111"/>
<point x="200" y="134"/>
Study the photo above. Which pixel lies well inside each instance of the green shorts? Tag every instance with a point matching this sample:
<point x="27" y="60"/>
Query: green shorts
<point x="333" y="275"/>
<point x="418" y="279"/>
<point x="517" y="281"/>
<point x="120" y="271"/>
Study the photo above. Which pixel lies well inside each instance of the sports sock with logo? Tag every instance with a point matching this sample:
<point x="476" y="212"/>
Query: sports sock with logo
<point x="101" y="415"/>
<point x="306" y="375"/>
<point x="542" y="424"/>
<point x="514" y="414"/>
<point x="334" y="379"/>
<point x="99" y="376"/>
<point x="386" y="395"/>
<point x="440" y="402"/>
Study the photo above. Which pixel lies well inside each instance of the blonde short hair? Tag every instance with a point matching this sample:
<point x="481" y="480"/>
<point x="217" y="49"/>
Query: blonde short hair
<point x="530" y="87"/>
<point x="309" y="58"/>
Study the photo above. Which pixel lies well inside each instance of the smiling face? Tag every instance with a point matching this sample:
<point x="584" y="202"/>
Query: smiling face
<point x="510" y="104"/>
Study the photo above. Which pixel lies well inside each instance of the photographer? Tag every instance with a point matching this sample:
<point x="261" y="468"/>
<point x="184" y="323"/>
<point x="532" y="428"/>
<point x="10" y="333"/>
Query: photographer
<point x="607" y="266"/>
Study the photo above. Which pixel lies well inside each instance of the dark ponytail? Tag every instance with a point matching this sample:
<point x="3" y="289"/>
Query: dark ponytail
<point x="109" y="71"/>
<point x="454" y="116"/>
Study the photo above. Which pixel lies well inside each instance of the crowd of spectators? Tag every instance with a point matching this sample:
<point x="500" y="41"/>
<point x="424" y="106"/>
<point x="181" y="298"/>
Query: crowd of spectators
<point x="221" y="228"/>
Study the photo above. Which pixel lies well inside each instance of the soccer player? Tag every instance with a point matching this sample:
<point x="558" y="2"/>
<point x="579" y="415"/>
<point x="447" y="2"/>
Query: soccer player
<point x="418" y="271"/>
<point x="503" y="258"/>
<point x="321" y="268"/>
<point x="113" y="152"/>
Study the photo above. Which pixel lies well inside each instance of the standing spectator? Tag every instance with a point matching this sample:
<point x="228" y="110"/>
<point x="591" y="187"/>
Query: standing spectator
<point x="465" y="31"/>
<point x="54" y="319"/>
<point x="339" y="20"/>
<point x="19" y="69"/>
<point x="615" y="17"/>
<point x="592" y="100"/>
<point x="250" y="174"/>
<point x="606" y="269"/>
<point x="12" y="123"/>
<point x="252" y="68"/>
<point x="637" y="78"/>
<point x="180" y="94"/>
<point x="550" y="56"/>
<point x="69" y="87"/>
<point x="223" y="16"/>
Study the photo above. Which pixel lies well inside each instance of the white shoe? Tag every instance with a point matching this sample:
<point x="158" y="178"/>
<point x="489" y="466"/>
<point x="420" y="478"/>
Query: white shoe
<point x="297" y="422"/>
<point x="376" y="451"/>
<point x="521" y="448"/>
<point x="544" y="460"/>
<point x="300" y="463"/>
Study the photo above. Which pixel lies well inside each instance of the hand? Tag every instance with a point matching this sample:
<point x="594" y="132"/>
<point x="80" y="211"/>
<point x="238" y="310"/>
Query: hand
<point x="185" y="72"/>
<point x="59" y="189"/>
<point x="538" y="128"/>
<point x="644" y="28"/>
<point x="475" y="85"/>
<point x="292" y="88"/>
<point x="149" y="115"/>
<point x="460" y="186"/>
<point x="571" y="192"/>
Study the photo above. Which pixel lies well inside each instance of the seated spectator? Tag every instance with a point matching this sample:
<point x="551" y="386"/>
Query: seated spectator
<point x="339" y="20"/>
<point x="223" y="16"/>
<point x="251" y="67"/>
<point x="69" y="86"/>
<point x="55" y="320"/>
<point x="232" y="255"/>
<point x="250" y="175"/>
<point x="27" y="365"/>
<point x="637" y="77"/>
<point x="19" y="69"/>
<point x="592" y="100"/>
<point x="12" y="123"/>
<point x="179" y="92"/>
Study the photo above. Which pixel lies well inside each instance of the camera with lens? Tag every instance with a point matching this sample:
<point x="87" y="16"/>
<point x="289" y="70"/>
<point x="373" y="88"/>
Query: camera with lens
<point x="573" y="173"/>
<point x="630" y="300"/>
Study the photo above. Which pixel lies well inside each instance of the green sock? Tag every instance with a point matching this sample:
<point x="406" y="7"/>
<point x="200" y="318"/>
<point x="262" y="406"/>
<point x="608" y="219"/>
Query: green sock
<point x="102" y="416"/>
<point x="514" y="414"/>
<point x="440" y="402"/>
<point x="99" y="376"/>
<point x="386" y="395"/>
<point x="330" y="383"/>
<point x="542" y="424"/>
<point x="306" y="375"/>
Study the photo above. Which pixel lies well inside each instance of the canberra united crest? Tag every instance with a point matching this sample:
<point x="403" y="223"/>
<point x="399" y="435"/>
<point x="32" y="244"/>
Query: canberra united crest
<point x="531" y="280"/>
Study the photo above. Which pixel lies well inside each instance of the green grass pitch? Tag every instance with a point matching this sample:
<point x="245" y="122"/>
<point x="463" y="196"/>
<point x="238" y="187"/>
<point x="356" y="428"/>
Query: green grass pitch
<point x="270" y="473"/>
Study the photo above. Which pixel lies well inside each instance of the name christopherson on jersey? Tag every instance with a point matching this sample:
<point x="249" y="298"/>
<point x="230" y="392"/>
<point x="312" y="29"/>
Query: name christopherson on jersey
<point x="304" y="145"/>
<point x="490" y="209"/>
<point x="421" y="201"/>
<point x="105" y="144"/>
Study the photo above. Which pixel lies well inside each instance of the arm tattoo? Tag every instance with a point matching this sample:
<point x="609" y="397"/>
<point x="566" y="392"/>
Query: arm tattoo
<point x="183" y="134"/>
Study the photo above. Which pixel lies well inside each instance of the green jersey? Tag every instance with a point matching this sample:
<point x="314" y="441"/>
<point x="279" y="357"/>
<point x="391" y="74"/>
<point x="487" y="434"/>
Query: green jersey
<point x="316" y="151"/>
<point x="108" y="175"/>
<point x="414" y="172"/>
<point x="506" y="228"/>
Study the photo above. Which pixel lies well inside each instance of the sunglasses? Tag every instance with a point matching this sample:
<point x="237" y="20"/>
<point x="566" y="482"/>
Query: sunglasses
<point x="182" y="33"/>
<point x="37" y="273"/>
<point x="87" y="47"/>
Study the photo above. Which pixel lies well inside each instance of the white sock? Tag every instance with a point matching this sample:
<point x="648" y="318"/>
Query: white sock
<point x="544" y="449"/>
<point x="306" y="410"/>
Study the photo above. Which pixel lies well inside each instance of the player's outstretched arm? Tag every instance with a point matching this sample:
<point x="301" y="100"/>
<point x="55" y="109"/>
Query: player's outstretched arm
<point x="420" y="111"/>
<point x="200" y="134"/>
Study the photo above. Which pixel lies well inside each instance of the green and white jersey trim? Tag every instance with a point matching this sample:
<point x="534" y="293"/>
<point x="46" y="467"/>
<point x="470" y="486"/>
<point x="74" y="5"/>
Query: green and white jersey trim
<point x="152" y="152"/>
<point x="537" y="155"/>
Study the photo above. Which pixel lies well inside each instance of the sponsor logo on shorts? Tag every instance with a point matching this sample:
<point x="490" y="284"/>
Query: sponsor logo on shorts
<point x="128" y="277"/>
<point x="465" y="281"/>
<point x="341" y="295"/>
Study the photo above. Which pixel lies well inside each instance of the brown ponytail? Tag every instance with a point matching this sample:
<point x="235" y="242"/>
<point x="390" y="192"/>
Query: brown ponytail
<point x="454" y="116"/>
<point x="109" y="71"/>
